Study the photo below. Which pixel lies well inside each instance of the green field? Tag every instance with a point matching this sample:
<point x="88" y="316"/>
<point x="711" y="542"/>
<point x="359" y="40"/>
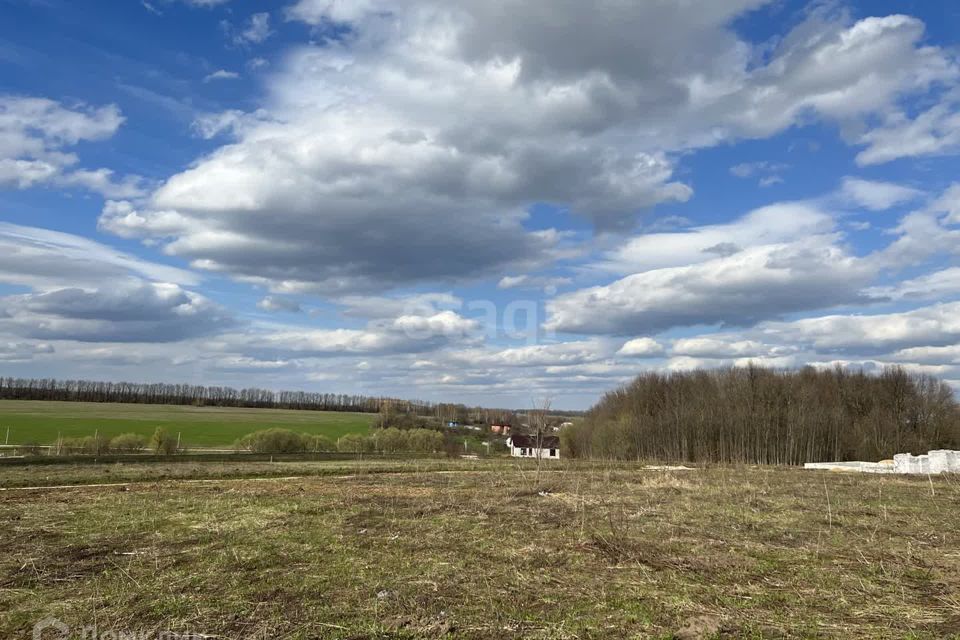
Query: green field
<point x="40" y="422"/>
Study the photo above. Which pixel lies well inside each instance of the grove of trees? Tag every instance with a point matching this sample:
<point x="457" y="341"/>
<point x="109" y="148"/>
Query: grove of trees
<point x="767" y="416"/>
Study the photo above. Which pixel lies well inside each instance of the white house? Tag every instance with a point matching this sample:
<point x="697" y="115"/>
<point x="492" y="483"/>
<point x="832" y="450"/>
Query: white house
<point x="522" y="446"/>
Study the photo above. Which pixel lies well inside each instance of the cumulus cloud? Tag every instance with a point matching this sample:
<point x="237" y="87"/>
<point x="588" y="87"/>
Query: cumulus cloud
<point x="772" y="224"/>
<point x="940" y="284"/>
<point x="36" y="135"/>
<point x="641" y="348"/>
<point x="141" y="312"/>
<point x="404" y="334"/>
<point x="720" y="346"/>
<point x="83" y="290"/>
<point x="932" y="326"/>
<point x="410" y="149"/>
<point x="739" y="289"/>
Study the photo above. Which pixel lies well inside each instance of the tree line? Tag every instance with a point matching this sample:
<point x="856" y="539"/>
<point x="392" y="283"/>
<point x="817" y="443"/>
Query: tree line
<point x="252" y="397"/>
<point x="766" y="416"/>
<point x="188" y="394"/>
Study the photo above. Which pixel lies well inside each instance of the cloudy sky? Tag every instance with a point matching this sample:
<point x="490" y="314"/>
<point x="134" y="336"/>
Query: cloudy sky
<point x="484" y="201"/>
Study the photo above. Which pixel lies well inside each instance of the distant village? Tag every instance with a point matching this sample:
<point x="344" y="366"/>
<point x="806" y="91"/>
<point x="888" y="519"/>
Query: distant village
<point x="522" y="441"/>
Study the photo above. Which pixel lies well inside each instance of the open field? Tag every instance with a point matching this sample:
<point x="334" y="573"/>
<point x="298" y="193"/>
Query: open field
<point x="40" y="422"/>
<point x="457" y="549"/>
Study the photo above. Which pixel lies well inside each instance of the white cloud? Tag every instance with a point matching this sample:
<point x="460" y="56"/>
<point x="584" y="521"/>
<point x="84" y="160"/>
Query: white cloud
<point x="875" y="195"/>
<point x="35" y="135"/>
<point x="83" y="290"/>
<point x="128" y="312"/>
<point x="641" y="348"/>
<point x="719" y="346"/>
<point x="933" y="132"/>
<point x="404" y="334"/>
<point x="258" y="28"/>
<point x="102" y="181"/>
<point x="443" y="116"/>
<point x="948" y="203"/>
<point x="740" y="289"/>
<point x="772" y="224"/>
<point x="936" y="325"/>
<point x="44" y="259"/>
<point x="221" y="74"/>
<point x="767" y="172"/>
<point x="539" y="355"/>
<point x="940" y="284"/>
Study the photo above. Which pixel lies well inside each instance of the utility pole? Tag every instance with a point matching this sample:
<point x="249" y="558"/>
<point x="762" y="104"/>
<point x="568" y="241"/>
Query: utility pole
<point x="7" y="440"/>
<point x="178" y="441"/>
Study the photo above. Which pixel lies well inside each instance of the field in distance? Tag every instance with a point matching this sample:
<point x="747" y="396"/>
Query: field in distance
<point x="40" y="422"/>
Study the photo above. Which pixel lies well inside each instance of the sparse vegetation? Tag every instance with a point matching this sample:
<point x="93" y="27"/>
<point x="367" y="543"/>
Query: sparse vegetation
<point x="474" y="552"/>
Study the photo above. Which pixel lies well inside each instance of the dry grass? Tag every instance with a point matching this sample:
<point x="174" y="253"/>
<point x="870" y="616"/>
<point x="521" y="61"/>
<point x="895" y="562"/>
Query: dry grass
<point x="590" y="553"/>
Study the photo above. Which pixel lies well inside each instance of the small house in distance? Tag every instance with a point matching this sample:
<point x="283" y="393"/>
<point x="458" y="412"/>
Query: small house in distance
<point x="502" y="429"/>
<point x="522" y="446"/>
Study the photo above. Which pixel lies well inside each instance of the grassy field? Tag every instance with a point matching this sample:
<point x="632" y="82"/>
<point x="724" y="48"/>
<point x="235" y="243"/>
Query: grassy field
<point x="40" y="422"/>
<point x="481" y="550"/>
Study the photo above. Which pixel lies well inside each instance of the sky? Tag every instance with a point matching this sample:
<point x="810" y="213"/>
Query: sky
<point x="480" y="201"/>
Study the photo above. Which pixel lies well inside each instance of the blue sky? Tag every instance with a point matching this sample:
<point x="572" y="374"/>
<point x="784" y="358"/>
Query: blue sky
<point x="476" y="201"/>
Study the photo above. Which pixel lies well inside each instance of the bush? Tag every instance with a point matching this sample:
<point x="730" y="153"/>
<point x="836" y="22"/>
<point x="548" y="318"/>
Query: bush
<point x="425" y="441"/>
<point x="88" y="445"/>
<point x="391" y="440"/>
<point x="163" y="442"/>
<point x="355" y="443"/>
<point x="320" y="443"/>
<point x="275" y="441"/>
<point x="128" y="443"/>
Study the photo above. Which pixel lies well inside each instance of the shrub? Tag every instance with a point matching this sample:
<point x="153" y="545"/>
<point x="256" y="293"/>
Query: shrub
<point x="425" y="440"/>
<point x="128" y="443"/>
<point x="391" y="440"/>
<point x="274" y="441"/>
<point x="320" y="443"/>
<point x="163" y="442"/>
<point x="87" y="445"/>
<point x="355" y="443"/>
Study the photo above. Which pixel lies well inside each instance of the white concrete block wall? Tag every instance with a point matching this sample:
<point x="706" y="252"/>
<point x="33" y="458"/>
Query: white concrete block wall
<point x="944" y="461"/>
<point x="909" y="463"/>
